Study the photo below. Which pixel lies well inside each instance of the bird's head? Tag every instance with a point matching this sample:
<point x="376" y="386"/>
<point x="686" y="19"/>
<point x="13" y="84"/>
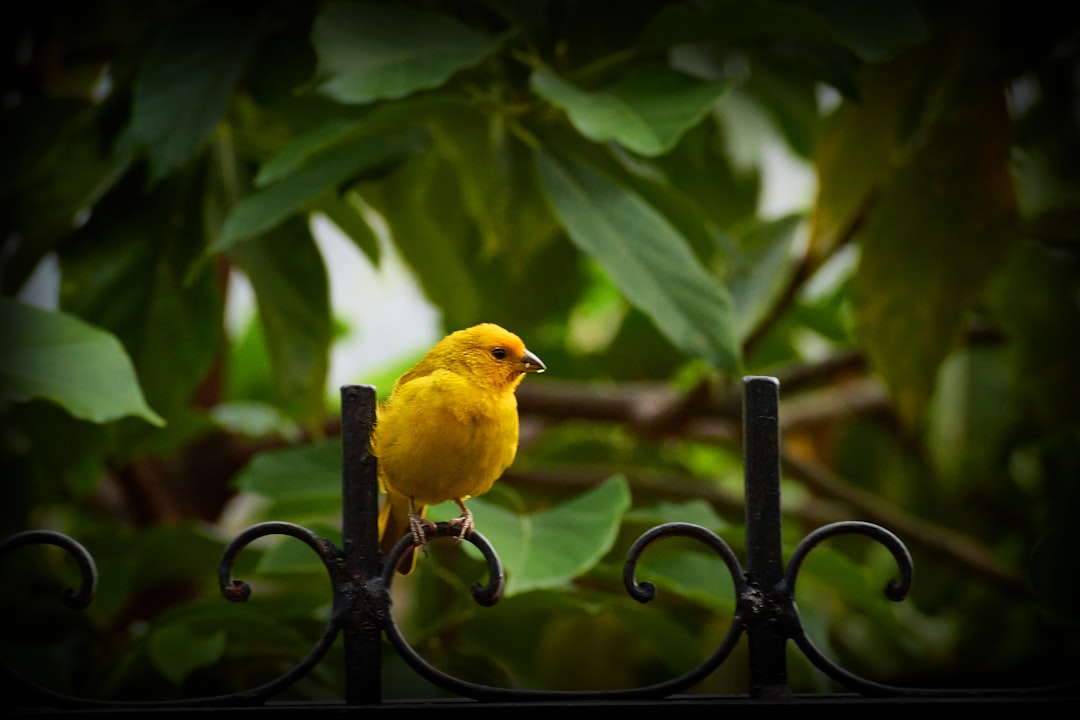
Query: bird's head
<point x="493" y="355"/>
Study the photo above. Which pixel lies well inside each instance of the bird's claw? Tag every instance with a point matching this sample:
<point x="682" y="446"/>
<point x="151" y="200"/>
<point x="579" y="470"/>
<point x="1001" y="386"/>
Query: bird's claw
<point x="420" y="527"/>
<point x="465" y="522"/>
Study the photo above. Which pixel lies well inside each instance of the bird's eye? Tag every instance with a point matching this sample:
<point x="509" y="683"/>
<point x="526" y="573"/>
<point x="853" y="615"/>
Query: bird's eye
<point x="499" y="353"/>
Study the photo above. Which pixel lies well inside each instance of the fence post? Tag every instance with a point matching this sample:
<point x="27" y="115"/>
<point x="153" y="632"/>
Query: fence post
<point x="765" y="565"/>
<point x="360" y="508"/>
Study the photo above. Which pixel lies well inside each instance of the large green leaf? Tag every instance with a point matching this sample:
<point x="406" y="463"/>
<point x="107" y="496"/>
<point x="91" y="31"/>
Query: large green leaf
<point x="370" y="52"/>
<point x="184" y="85"/>
<point x="191" y="637"/>
<point x="61" y="163"/>
<point x="176" y="651"/>
<point x="358" y="150"/>
<point x="640" y="177"/>
<point x="848" y="180"/>
<point x="647" y="259"/>
<point x="942" y="227"/>
<point x="290" y="556"/>
<point x="498" y="183"/>
<point x="646" y="109"/>
<point x="1034" y="301"/>
<point x="702" y="167"/>
<point x="551" y="547"/>
<point x="300" y="151"/>
<point x="701" y="577"/>
<point x="347" y="213"/>
<point x="762" y="270"/>
<point x="289" y="278"/>
<point x="433" y="233"/>
<point x="132" y="274"/>
<point x="58" y="357"/>
<point x="289" y="474"/>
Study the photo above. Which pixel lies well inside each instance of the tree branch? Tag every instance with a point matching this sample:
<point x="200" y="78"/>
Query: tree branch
<point x="657" y="410"/>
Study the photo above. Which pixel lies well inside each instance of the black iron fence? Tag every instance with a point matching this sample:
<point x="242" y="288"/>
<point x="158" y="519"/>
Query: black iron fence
<point x="765" y="608"/>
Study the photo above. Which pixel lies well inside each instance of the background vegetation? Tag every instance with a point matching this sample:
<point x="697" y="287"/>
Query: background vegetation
<point x="590" y="175"/>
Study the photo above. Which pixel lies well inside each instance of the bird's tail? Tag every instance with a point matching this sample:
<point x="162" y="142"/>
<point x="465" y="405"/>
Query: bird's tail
<point x="393" y="523"/>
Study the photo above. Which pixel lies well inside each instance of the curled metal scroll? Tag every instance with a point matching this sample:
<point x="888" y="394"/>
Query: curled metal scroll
<point x="895" y="590"/>
<point x="486" y="595"/>
<point x="642" y="592"/>
<point x="646" y="591"/>
<point x="234" y="590"/>
<point x="76" y="599"/>
<point x="239" y="591"/>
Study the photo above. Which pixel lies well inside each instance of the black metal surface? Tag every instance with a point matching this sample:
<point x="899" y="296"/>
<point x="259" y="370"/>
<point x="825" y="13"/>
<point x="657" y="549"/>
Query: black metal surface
<point x="765" y="608"/>
<point x="367" y="602"/>
<point x="767" y="601"/>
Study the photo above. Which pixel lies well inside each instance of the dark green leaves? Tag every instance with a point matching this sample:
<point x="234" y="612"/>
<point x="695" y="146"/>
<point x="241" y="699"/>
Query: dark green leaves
<point x="320" y="167"/>
<point x="287" y="273"/>
<point x="942" y="227"/>
<point x="646" y="258"/>
<point x="646" y="110"/>
<point x="60" y="358"/>
<point x="185" y="84"/>
<point x="551" y="547"/>
<point x="139" y="278"/>
<point x="371" y="52"/>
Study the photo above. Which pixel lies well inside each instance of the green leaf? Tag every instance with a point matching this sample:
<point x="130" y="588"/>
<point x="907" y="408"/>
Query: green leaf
<point x="498" y="182"/>
<point x="943" y="225"/>
<point x="286" y="271"/>
<point x="698" y="512"/>
<point x="360" y="151"/>
<point x="646" y="258"/>
<point x="702" y="167"/>
<point x="859" y="585"/>
<point x="255" y="419"/>
<point x="348" y="215"/>
<point x="552" y="547"/>
<point x="168" y="315"/>
<point x="370" y="52"/>
<point x="1032" y="300"/>
<point x="290" y="474"/>
<point x="646" y="110"/>
<point x="432" y="231"/>
<point x="319" y="139"/>
<point x="291" y="556"/>
<point x="69" y="167"/>
<point x="187" y="638"/>
<point x="184" y="85"/>
<point x="58" y="357"/>
<point x="703" y="578"/>
<point x="762" y="270"/>
<point x="176" y="651"/>
<point x="789" y="96"/>
<point x="847" y="180"/>
<point x="640" y="177"/>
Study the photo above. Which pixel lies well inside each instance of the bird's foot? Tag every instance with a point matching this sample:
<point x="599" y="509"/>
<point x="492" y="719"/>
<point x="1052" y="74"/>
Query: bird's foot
<point x="420" y="527"/>
<point x="465" y="522"/>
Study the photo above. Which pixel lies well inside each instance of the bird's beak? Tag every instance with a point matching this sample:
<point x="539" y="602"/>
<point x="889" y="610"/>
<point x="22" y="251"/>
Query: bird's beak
<point x="531" y="363"/>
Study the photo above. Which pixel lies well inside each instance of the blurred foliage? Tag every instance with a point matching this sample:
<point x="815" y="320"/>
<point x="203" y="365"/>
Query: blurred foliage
<point x="594" y="179"/>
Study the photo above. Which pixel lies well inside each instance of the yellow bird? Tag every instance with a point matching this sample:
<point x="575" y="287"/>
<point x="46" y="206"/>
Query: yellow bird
<point x="448" y="430"/>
